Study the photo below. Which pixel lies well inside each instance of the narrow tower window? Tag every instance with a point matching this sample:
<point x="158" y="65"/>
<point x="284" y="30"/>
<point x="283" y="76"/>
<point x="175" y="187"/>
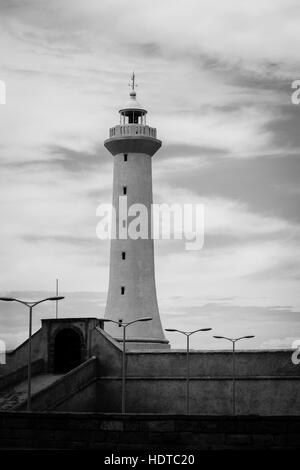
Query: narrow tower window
<point x="124" y="190"/>
<point x="123" y="255"/>
<point x="122" y="290"/>
<point x="125" y="157"/>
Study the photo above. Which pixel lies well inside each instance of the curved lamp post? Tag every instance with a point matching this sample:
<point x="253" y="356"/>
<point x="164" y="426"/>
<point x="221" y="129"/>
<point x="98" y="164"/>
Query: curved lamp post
<point x="30" y="305"/>
<point x="120" y="323"/>
<point x="233" y="341"/>
<point x="187" y="334"/>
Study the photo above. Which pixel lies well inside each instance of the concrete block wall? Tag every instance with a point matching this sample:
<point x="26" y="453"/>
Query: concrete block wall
<point x="207" y="396"/>
<point x="146" y="432"/>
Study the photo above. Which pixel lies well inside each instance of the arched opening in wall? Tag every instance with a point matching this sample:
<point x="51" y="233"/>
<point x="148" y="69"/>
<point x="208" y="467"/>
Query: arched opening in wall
<point x="67" y="350"/>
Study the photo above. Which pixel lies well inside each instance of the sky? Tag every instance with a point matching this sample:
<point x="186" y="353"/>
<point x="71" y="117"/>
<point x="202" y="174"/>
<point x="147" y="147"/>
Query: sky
<point x="216" y="80"/>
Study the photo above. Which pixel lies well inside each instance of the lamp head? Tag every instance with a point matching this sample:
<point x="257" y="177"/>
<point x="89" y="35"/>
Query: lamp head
<point x="7" y="299"/>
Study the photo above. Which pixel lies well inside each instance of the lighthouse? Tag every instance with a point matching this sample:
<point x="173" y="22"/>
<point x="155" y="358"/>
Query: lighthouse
<point x="132" y="289"/>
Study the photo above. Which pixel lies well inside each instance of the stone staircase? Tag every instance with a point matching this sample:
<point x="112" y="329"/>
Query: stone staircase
<point x="15" y="395"/>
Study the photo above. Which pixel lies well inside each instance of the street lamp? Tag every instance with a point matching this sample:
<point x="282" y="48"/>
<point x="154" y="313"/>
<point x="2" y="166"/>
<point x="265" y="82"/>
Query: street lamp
<point x="233" y="341"/>
<point x="30" y="305"/>
<point x="124" y="325"/>
<point x="187" y="334"/>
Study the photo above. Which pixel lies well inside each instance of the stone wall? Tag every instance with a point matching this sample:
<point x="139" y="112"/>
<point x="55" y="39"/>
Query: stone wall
<point x="146" y="432"/>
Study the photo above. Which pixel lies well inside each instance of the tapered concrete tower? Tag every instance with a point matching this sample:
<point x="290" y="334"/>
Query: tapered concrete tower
<point x="132" y="291"/>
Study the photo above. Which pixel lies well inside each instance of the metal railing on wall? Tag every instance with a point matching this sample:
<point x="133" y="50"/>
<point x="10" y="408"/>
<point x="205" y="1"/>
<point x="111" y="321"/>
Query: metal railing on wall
<point x="132" y="129"/>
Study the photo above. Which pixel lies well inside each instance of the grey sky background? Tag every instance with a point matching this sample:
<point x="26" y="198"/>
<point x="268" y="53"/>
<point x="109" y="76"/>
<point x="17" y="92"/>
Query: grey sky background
<point x="216" y="80"/>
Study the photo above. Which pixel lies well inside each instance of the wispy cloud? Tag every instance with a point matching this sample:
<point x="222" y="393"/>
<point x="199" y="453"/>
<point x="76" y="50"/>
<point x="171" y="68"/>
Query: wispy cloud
<point x="216" y="80"/>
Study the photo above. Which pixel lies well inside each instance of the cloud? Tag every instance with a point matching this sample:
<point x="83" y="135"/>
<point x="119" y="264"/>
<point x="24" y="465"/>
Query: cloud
<point x="263" y="322"/>
<point x="279" y="343"/>
<point x="215" y="78"/>
<point x="285" y="128"/>
<point x="187" y="150"/>
<point x="62" y="158"/>
<point x="267" y="184"/>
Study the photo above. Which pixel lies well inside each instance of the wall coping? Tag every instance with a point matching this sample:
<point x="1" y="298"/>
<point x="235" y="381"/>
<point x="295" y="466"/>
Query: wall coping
<point x="110" y="339"/>
<point x="13" y="351"/>
<point x="143" y="416"/>
<point x="202" y="377"/>
<point x="209" y="351"/>
<point x="68" y="319"/>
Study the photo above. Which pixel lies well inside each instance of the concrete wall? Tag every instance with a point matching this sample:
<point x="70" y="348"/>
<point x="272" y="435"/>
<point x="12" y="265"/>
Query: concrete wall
<point x="267" y="381"/>
<point x="21" y="374"/>
<point x="19" y="357"/>
<point x="207" y="396"/>
<point x="74" y="391"/>
<point x="212" y="363"/>
<point x="146" y="432"/>
<point x="43" y="342"/>
<point x="82" y="326"/>
<point x="108" y="351"/>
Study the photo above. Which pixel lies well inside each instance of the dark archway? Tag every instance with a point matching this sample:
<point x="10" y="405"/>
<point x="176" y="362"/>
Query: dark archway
<point x="67" y="350"/>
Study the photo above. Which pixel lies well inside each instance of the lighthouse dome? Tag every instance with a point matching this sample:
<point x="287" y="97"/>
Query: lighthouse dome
<point x="132" y="104"/>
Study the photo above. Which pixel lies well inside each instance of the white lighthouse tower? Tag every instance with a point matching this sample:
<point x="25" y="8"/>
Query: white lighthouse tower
<point x="132" y="291"/>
